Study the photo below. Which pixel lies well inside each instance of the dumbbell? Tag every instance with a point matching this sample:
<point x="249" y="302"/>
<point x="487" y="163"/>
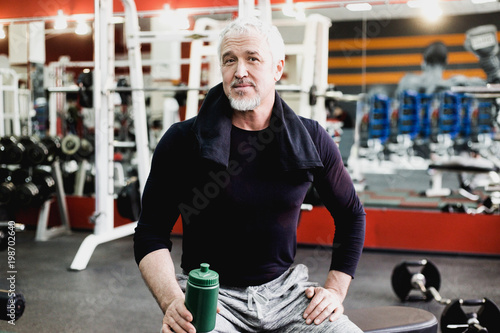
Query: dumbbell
<point x="485" y="319"/>
<point x="13" y="150"/>
<point x="53" y="144"/>
<point x="32" y="189"/>
<point x="34" y="153"/>
<point x="423" y="277"/>
<point x="4" y="232"/>
<point x="12" y="305"/>
<point x="40" y="151"/>
<point x="7" y="188"/>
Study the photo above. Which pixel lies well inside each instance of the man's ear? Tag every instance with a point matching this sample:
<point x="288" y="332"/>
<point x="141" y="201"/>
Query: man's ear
<point x="280" y="66"/>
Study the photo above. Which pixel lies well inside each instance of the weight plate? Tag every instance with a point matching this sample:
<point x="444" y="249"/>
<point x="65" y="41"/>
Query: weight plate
<point x="70" y="144"/>
<point x="402" y="279"/>
<point x="489" y="316"/>
<point x="453" y="314"/>
<point x="86" y="148"/>
<point x="432" y="278"/>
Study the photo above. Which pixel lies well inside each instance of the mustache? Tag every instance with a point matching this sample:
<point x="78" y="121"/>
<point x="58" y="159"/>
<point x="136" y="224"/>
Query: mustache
<point x="240" y="82"/>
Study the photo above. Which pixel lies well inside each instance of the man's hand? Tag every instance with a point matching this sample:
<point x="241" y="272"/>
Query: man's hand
<point x="177" y="318"/>
<point x="324" y="303"/>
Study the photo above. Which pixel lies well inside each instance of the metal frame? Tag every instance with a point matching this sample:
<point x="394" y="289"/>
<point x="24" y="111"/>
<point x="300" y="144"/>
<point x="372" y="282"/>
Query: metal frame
<point x="104" y="230"/>
<point x="14" y="88"/>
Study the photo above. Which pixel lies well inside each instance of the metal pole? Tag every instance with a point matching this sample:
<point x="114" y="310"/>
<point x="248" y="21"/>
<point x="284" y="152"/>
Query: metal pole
<point x="103" y="105"/>
<point x="2" y="109"/>
<point x="137" y="84"/>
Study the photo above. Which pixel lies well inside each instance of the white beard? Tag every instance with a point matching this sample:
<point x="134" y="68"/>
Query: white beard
<point x="244" y="104"/>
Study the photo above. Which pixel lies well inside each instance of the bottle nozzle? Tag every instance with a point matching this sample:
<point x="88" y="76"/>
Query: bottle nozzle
<point x="204" y="267"/>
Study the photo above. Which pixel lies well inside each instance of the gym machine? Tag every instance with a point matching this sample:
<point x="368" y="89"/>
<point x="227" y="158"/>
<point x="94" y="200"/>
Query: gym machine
<point x="420" y="280"/>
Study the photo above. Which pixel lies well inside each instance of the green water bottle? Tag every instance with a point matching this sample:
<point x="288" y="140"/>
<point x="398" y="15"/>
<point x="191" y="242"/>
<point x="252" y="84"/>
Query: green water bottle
<point x="202" y="291"/>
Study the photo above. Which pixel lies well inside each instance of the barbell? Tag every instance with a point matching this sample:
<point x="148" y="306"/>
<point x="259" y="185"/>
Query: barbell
<point x="417" y="280"/>
<point x="313" y="93"/>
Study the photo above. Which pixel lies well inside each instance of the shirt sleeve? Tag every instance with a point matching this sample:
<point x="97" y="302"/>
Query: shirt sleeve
<point x="161" y="195"/>
<point x="336" y="189"/>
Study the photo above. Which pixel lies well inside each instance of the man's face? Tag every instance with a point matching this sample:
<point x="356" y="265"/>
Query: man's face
<point x="248" y="73"/>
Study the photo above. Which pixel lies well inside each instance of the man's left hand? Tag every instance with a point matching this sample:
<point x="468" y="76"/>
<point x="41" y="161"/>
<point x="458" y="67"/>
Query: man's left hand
<point x="325" y="303"/>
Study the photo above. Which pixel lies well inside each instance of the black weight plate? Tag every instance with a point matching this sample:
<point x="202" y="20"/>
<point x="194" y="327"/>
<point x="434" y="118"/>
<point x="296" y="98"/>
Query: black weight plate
<point x="401" y="281"/>
<point x="432" y="278"/>
<point x="489" y="316"/>
<point x="453" y="314"/>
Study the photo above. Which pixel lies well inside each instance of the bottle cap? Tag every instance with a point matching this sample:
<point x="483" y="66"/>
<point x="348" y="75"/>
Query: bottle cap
<point x="203" y="276"/>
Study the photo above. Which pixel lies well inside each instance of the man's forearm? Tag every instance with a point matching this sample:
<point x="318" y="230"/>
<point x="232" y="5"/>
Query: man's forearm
<point x="158" y="271"/>
<point x="338" y="281"/>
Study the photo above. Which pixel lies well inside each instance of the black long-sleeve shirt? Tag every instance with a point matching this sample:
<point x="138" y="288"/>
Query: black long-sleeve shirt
<point x="239" y="193"/>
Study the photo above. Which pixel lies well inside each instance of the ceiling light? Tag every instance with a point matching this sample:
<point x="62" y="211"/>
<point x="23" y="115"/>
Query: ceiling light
<point x="60" y="22"/>
<point x="359" y="7"/>
<point x="431" y="10"/>
<point x="433" y="14"/>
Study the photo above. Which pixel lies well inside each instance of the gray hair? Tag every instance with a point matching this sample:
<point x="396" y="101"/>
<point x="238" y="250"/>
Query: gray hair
<point x="268" y="31"/>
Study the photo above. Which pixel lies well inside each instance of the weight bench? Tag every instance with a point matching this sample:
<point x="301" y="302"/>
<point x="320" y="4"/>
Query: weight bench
<point x="393" y="319"/>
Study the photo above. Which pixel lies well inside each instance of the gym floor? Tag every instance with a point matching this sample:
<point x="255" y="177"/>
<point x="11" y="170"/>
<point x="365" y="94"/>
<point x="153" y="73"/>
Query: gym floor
<point x="110" y="296"/>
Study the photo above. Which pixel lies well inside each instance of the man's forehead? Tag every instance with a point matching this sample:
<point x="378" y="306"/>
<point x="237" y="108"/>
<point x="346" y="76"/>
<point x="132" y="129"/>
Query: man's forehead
<point x="249" y="51"/>
<point x="248" y="43"/>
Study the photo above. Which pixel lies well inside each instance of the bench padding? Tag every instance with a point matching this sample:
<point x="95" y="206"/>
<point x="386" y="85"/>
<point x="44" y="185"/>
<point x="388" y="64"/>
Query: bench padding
<point x="393" y="319"/>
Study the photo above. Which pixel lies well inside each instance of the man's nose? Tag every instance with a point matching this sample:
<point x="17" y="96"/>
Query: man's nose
<point x="241" y="70"/>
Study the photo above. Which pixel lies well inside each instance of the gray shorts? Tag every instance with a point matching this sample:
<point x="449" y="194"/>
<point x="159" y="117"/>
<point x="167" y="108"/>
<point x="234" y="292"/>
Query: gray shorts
<point x="276" y="306"/>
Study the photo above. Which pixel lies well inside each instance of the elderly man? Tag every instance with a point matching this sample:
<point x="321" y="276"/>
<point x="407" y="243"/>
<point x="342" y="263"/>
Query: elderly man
<point x="237" y="174"/>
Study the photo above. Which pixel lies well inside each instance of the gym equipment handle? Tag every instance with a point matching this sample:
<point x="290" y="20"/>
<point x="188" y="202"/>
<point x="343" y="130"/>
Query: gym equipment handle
<point x="472" y="302"/>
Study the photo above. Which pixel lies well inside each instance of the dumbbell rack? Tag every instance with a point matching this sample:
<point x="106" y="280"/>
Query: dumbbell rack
<point x="43" y="231"/>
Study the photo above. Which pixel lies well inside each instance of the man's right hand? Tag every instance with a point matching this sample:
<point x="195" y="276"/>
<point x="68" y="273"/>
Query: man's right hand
<point x="177" y="318"/>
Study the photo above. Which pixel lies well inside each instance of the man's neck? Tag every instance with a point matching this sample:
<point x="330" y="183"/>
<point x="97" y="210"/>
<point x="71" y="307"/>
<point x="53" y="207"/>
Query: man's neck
<point x="253" y="120"/>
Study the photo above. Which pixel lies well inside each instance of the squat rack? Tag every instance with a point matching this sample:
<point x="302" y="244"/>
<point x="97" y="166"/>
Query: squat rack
<point x="313" y="72"/>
